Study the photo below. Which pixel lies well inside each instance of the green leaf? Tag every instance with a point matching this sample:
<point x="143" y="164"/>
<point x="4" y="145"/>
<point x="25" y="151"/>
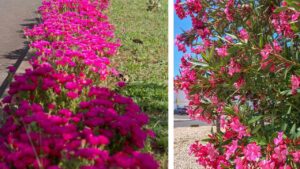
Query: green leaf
<point x="199" y="64"/>
<point x="211" y="52"/>
<point x="255" y="130"/>
<point x="284" y="126"/>
<point x="287" y="71"/>
<point x="289" y="111"/>
<point x="286" y="92"/>
<point x="280" y="9"/>
<point x="233" y="36"/>
<point x="295" y="26"/>
<point x="293" y="130"/>
<point x="233" y="49"/>
<point x="262" y="141"/>
<point x="206" y="140"/>
<point x="261" y="41"/>
<point x="254" y="119"/>
<point x="205" y="57"/>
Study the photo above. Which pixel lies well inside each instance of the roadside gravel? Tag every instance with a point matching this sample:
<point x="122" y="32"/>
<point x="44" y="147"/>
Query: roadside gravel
<point x="183" y="138"/>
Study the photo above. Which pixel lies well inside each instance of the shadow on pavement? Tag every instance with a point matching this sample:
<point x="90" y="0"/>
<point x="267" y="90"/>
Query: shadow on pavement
<point x="18" y="55"/>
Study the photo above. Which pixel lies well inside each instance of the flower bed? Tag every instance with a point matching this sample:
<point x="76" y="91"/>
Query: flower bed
<point x="62" y="113"/>
<point x="243" y="74"/>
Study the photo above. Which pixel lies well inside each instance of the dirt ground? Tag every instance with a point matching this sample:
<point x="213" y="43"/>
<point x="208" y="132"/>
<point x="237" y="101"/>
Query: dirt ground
<point x="183" y="138"/>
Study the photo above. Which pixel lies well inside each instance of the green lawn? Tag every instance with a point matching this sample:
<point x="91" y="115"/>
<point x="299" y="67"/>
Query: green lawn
<point x="143" y="61"/>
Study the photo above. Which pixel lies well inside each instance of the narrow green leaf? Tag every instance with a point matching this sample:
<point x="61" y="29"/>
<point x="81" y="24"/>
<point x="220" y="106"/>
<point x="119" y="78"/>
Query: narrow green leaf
<point x="290" y="109"/>
<point x="261" y="41"/>
<point x="233" y="36"/>
<point x="255" y="130"/>
<point x="293" y="130"/>
<point x="284" y="126"/>
<point x="280" y="9"/>
<point x="254" y="119"/>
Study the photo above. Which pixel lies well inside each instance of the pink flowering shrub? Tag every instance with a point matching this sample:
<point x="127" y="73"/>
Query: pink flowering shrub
<point x="61" y="113"/>
<point x="243" y="74"/>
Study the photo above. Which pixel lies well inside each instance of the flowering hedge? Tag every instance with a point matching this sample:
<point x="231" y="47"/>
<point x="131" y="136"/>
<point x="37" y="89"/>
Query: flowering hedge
<point x="241" y="70"/>
<point x="61" y="113"/>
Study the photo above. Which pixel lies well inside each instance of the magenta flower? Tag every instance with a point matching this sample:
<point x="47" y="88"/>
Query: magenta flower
<point x="121" y="84"/>
<point x="72" y="95"/>
<point x="11" y="68"/>
<point x="252" y="152"/>
<point x="71" y="85"/>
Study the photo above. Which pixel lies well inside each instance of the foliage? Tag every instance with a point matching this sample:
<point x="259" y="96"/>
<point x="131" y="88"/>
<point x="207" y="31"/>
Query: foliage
<point x="243" y="73"/>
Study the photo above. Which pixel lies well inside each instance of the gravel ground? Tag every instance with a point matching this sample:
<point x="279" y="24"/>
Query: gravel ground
<point x="184" y="137"/>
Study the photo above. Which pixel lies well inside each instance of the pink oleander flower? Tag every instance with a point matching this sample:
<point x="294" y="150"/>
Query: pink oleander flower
<point x="296" y="156"/>
<point x="267" y="164"/>
<point x="266" y="52"/>
<point x="180" y="46"/>
<point x="252" y="152"/>
<point x="244" y="35"/>
<point x="238" y="127"/>
<point x="194" y="5"/>
<point x="222" y="51"/>
<point x="240" y="163"/>
<point x="280" y="153"/>
<point x="295" y="81"/>
<point x="239" y="83"/>
<point x="231" y="149"/>
<point x="276" y="46"/>
<point x="279" y="139"/>
<point x="229" y="10"/>
<point x="179" y="9"/>
<point x="234" y="67"/>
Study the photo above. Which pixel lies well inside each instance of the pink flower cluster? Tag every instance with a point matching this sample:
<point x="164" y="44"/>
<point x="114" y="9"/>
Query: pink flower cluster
<point x="239" y="70"/>
<point x="245" y="156"/>
<point x="74" y="34"/>
<point x="282" y="21"/>
<point x="59" y="113"/>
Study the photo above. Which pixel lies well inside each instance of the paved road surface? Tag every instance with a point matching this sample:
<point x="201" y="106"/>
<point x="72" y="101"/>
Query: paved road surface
<point x="14" y="16"/>
<point x="185" y="121"/>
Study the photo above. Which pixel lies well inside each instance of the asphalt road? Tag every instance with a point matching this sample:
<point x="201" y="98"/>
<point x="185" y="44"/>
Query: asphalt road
<point x="14" y="16"/>
<point x="185" y="121"/>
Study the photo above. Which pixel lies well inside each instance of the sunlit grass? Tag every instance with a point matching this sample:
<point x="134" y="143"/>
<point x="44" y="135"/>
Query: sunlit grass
<point x="142" y="60"/>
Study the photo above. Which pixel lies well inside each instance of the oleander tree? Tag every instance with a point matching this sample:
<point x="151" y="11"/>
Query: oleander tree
<point x="241" y="71"/>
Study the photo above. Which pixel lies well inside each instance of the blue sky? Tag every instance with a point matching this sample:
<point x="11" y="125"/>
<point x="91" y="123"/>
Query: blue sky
<point x="179" y="25"/>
